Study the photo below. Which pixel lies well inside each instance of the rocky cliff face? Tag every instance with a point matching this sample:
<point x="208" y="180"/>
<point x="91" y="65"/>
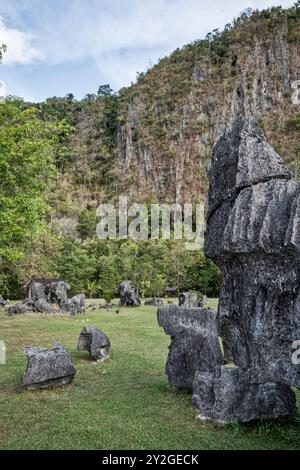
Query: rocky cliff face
<point x="153" y="141"/>
<point x="171" y="119"/>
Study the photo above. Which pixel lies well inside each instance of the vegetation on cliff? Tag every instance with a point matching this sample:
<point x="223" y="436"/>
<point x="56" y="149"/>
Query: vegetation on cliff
<point x="152" y="142"/>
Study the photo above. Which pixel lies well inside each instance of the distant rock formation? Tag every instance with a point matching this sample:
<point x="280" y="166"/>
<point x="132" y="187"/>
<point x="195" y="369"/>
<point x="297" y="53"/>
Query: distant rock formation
<point x="154" y="301"/>
<point x="52" y="290"/>
<point x="188" y="300"/>
<point x="74" y="305"/>
<point x="129" y="296"/>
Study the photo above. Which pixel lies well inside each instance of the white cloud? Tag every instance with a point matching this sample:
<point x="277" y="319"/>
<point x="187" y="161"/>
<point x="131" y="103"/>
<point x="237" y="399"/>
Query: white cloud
<point x="121" y="36"/>
<point x="20" y="49"/>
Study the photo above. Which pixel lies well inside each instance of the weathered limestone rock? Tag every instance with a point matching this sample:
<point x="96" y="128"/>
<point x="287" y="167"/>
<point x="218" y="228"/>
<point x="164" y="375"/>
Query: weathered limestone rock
<point x="188" y="300"/>
<point x="231" y="394"/>
<point x="19" y="309"/>
<point x="29" y="305"/>
<point x="194" y="342"/>
<point x="48" y="367"/>
<point x="95" y="341"/>
<point x="74" y="305"/>
<point x="129" y="296"/>
<point x="154" y="301"/>
<point x="52" y="291"/>
<point x="43" y="306"/>
<point x="203" y="301"/>
<point x="253" y="235"/>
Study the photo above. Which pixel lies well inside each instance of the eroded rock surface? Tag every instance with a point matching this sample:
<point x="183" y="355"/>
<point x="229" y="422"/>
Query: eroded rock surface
<point x="74" y="305"/>
<point x="129" y="296"/>
<point x="48" y="367"/>
<point x="154" y="301"/>
<point x="188" y="300"/>
<point x="55" y="292"/>
<point x="194" y="342"/>
<point x="232" y="394"/>
<point x="253" y="235"/>
<point x="92" y="339"/>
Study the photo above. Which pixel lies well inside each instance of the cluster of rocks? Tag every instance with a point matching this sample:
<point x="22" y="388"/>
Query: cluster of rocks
<point x="129" y="296"/>
<point x="155" y="301"/>
<point x="52" y="291"/>
<point x="45" y="293"/>
<point x="53" y="367"/>
<point x="190" y="300"/>
<point x="253" y="235"/>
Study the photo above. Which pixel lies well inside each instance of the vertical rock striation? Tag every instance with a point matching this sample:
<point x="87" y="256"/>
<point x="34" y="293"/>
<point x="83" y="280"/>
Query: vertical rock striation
<point x="253" y="235"/>
<point x="194" y="342"/>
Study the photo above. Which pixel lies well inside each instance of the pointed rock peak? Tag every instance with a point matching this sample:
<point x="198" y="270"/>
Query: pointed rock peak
<point x="242" y="157"/>
<point x="257" y="160"/>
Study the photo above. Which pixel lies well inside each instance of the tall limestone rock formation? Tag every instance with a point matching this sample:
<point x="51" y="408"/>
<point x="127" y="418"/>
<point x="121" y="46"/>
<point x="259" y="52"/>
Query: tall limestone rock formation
<point x="253" y="235"/>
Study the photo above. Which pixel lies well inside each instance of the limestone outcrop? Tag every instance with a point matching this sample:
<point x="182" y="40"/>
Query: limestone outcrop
<point x="188" y="300"/>
<point x="129" y="296"/>
<point x="92" y="339"/>
<point x="48" y="367"/>
<point x="194" y="342"/>
<point x="253" y="235"/>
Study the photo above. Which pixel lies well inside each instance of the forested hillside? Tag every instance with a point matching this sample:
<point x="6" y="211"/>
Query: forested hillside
<point x="151" y="141"/>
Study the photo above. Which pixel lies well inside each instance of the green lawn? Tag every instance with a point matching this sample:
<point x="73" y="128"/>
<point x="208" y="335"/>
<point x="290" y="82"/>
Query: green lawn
<point x="125" y="403"/>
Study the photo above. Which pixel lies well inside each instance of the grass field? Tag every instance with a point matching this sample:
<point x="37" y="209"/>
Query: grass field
<point x="125" y="403"/>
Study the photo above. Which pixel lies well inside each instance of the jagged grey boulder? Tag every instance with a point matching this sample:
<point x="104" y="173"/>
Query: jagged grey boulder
<point x="155" y="301"/>
<point x="194" y="342"/>
<point x="48" y="367"/>
<point x="253" y="235"/>
<point x="188" y="300"/>
<point x="43" y="306"/>
<point x="231" y="394"/>
<point x="74" y="305"/>
<point x="129" y="296"/>
<point x="19" y="309"/>
<point x="92" y="339"/>
<point x="203" y="301"/>
<point x="2" y="301"/>
<point x="52" y="291"/>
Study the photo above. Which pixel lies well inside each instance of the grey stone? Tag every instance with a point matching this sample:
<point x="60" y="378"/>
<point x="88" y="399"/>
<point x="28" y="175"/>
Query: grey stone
<point x="74" y="305"/>
<point x="129" y="296"/>
<point x="188" y="300"/>
<point x="43" y="306"/>
<point x="50" y="290"/>
<point x="2" y="301"/>
<point x="48" y="367"/>
<point x="194" y="342"/>
<point x="154" y="301"/>
<point x="95" y="341"/>
<point x="231" y="394"/>
<point x="203" y="301"/>
<point x="19" y="309"/>
<point x="253" y="235"/>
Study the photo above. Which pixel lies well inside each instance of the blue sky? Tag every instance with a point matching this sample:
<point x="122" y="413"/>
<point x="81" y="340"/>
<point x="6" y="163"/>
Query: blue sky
<point x="57" y="47"/>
